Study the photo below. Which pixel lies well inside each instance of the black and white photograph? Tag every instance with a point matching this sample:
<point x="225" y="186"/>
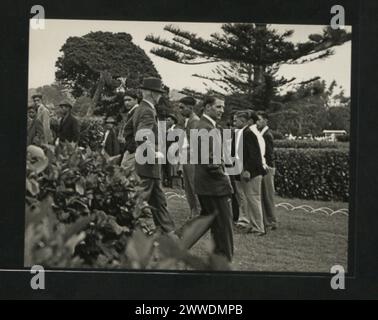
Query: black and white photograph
<point x="277" y="99"/>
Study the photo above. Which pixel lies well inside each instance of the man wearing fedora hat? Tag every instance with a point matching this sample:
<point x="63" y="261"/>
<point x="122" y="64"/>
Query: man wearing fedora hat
<point x="69" y="126"/>
<point x="145" y="118"/>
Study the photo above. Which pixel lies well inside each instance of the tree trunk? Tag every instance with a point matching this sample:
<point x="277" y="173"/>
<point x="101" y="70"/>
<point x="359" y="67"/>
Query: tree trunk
<point x="97" y="94"/>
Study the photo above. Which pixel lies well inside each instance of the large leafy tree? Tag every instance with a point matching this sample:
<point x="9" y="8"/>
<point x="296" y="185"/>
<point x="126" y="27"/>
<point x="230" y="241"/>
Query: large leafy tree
<point x="311" y="108"/>
<point x="90" y="65"/>
<point x="248" y="56"/>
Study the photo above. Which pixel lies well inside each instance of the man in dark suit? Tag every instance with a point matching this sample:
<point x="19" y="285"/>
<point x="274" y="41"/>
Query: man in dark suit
<point x="145" y="126"/>
<point x="35" y="128"/>
<point x="131" y="100"/>
<point x="111" y="144"/>
<point x="68" y="130"/>
<point x="186" y="106"/>
<point x="268" y="205"/>
<point x="252" y="174"/>
<point x="211" y="184"/>
<point x="168" y="169"/>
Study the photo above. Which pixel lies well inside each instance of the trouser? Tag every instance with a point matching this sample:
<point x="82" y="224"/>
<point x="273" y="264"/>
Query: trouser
<point x="152" y="193"/>
<point x="243" y="218"/>
<point x="235" y="200"/>
<point x="167" y="175"/>
<point x="221" y="226"/>
<point x="188" y="175"/>
<point x="267" y="197"/>
<point x="252" y="203"/>
<point x="128" y="163"/>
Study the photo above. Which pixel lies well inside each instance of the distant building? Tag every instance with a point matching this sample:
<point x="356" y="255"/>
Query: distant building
<point x="332" y="134"/>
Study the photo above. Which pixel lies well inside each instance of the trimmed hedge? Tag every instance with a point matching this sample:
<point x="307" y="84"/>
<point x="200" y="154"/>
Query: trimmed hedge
<point x="310" y="144"/>
<point x="312" y="174"/>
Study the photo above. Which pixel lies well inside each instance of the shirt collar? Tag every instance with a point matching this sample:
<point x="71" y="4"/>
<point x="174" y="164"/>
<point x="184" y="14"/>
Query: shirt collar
<point x="133" y="108"/>
<point x="211" y="120"/>
<point x="265" y="129"/>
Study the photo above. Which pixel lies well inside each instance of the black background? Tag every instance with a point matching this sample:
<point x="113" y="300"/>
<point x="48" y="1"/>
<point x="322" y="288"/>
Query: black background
<point x="363" y="237"/>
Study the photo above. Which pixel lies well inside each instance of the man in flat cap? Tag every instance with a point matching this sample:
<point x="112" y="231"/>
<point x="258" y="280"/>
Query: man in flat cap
<point x="186" y="106"/>
<point x="43" y="115"/>
<point x="145" y="120"/>
<point x="69" y="129"/>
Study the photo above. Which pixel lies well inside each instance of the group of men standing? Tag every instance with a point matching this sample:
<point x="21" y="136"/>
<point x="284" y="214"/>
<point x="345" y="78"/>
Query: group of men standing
<point x="210" y="192"/>
<point x="255" y="185"/>
<point x="41" y="130"/>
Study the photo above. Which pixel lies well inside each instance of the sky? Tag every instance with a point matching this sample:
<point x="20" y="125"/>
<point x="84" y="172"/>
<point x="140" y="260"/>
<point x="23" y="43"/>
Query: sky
<point x="45" y="45"/>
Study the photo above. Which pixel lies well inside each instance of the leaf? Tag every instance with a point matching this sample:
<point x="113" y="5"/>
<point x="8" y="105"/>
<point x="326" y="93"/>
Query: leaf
<point x="139" y="248"/>
<point x="79" y="187"/>
<point x="32" y="187"/>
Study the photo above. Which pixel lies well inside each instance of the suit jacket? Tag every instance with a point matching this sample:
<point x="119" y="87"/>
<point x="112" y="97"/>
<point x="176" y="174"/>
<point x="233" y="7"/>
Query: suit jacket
<point x="43" y="115"/>
<point x="128" y="132"/>
<point x="269" y="148"/>
<point x="184" y="142"/>
<point x="210" y="179"/>
<point x="193" y="122"/>
<point x="252" y="161"/>
<point x="112" y="147"/>
<point x="35" y="133"/>
<point x="69" y="129"/>
<point x="145" y="117"/>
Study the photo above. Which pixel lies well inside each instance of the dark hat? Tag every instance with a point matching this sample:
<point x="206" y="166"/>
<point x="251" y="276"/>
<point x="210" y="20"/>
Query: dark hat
<point x="32" y="106"/>
<point x="253" y="116"/>
<point x="171" y="115"/>
<point x="152" y="84"/>
<point x="190" y="101"/>
<point x="65" y="103"/>
<point x="36" y="96"/>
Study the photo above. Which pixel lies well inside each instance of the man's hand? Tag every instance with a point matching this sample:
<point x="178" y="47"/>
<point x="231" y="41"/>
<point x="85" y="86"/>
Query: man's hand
<point x="246" y="176"/>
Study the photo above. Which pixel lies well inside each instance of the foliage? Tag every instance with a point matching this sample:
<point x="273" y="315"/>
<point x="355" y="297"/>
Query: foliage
<point x="247" y="56"/>
<point x="314" y="174"/>
<point x="84" y="58"/>
<point x="309" y="144"/>
<point x="310" y="109"/>
<point x="91" y="133"/>
<point x="83" y="211"/>
<point x="343" y="138"/>
<point x="51" y="94"/>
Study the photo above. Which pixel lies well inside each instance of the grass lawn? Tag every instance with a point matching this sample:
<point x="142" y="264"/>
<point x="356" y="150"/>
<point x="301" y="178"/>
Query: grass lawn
<point x="303" y="242"/>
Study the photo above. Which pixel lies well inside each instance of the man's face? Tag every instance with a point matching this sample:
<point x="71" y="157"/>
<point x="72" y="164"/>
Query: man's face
<point x="64" y="110"/>
<point x="32" y="113"/>
<point x="170" y="122"/>
<point x="261" y="122"/>
<point x="215" y="110"/>
<point x="37" y="101"/>
<point x="239" y="122"/>
<point x="129" y="102"/>
<point x="185" y="110"/>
